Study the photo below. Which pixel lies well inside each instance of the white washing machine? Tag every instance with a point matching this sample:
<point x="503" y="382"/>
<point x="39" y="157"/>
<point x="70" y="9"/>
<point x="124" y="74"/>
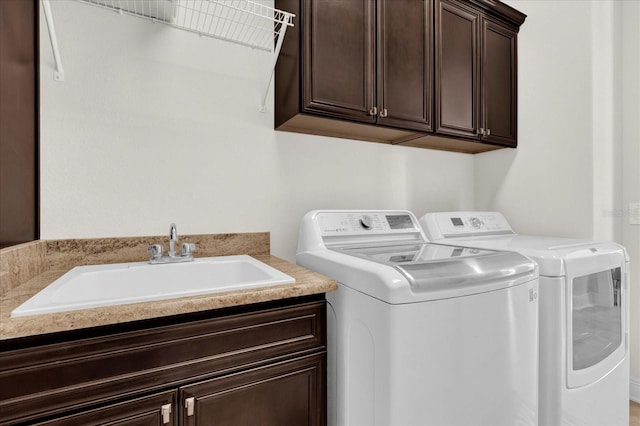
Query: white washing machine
<point x="419" y="333"/>
<point x="584" y="366"/>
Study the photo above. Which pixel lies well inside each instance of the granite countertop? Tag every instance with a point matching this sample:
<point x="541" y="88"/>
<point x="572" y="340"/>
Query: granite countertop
<point x="28" y="268"/>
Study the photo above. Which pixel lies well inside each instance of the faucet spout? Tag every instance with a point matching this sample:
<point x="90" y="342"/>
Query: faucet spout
<point x="173" y="238"/>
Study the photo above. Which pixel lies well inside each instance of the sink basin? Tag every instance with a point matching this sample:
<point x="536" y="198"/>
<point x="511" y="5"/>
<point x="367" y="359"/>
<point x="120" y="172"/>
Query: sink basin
<point x="117" y="284"/>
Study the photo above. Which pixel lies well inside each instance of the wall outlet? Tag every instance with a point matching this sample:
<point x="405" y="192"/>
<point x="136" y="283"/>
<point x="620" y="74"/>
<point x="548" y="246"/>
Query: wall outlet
<point x="634" y="213"/>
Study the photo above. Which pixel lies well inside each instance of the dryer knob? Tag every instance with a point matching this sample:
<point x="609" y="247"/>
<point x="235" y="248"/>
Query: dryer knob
<point x="476" y="223"/>
<point x="366" y="221"/>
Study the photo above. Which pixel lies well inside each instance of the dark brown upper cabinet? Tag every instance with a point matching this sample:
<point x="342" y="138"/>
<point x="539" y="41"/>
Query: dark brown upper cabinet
<point x="373" y="70"/>
<point x="363" y="62"/>
<point x="499" y="83"/>
<point x="429" y="73"/>
<point x="457" y="72"/>
<point x="365" y="69"/>
<point x="338" y="68"/>
<point x="405" y="64"/>
<point x="476" y="75"/>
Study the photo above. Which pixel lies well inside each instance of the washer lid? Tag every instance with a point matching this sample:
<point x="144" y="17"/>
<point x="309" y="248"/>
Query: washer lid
<point x="450" y="271"/>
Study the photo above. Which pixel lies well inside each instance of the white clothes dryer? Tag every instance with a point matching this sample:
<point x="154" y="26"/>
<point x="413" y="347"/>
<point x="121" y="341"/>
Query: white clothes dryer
<point x="422" y="334"/>
<point x="584" y="366"/>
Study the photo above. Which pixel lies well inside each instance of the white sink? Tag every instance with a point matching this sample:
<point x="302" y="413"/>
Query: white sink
<point x="117" y="284"/>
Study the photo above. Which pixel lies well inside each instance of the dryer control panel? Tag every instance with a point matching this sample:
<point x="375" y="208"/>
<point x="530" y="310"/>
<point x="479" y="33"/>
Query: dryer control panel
<point x="464" y="224"/>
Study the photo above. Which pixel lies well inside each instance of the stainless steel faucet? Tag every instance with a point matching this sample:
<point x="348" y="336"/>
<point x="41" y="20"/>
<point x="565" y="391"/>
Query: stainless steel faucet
<point x="186" y="250"/>
<point x="173" y="238"/>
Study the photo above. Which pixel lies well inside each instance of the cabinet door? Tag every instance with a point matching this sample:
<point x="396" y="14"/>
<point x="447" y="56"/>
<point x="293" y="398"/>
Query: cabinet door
<point x="405" y="60"/>
<point x="290" y="393"/>
<point x="154" y="410"/>
<point x="339" y="59"/>
<point x="457" y="71"/>
<point x="499" y="83"/>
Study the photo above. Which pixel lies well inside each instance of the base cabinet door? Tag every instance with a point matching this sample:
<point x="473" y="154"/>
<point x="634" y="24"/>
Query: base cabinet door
<point x="291" y="393"/>
<point x="153" y="410"/>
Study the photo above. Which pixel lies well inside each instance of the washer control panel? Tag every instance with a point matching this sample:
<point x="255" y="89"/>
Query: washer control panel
<point x="457" y="224"/>
<point x="334" y="223"/>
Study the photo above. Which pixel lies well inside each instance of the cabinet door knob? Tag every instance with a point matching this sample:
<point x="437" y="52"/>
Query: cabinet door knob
<point x="373" y="111"/>
<point x="488" y="132"/>
<point x="189" y="404"/>
<point x="383" y="113"/>
<point x="480" y="131"/>
<point x="165" y="410"/>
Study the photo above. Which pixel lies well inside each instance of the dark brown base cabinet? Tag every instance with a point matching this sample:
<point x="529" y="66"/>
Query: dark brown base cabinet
<point x="152" y="410"/>
<point x="427" y="73"/>
<point x="256" y="365"/>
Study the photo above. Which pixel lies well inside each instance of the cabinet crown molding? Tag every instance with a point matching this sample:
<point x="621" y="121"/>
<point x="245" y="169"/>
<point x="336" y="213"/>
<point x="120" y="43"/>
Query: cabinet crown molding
<point x="500" y="10"/>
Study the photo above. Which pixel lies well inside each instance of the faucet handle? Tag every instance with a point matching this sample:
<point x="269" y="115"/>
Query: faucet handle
<point x="188" y="249"/>
<point x="155" y="250"/>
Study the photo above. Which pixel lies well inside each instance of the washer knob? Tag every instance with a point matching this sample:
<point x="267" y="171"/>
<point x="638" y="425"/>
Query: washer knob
<point x="476" y="223"/>
<point x="366" y="221"/>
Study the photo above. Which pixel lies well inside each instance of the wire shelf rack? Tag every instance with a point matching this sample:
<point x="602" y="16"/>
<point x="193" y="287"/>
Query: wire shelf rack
<point x="238" y="21"/>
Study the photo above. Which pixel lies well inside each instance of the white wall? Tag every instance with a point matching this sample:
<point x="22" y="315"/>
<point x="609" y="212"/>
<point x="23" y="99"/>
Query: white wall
<point x="576" y="167"/>
<point x="549" y="175"/>
<point x="154" y="125"/>
<point x="630" y="114"/>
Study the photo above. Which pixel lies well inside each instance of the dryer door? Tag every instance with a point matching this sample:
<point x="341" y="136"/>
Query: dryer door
<point x="596" y="316"/>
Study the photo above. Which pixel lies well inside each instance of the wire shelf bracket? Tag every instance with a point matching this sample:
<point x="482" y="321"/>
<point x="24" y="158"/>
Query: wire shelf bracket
<point x="239" y="21"/>
<point x="58" y="74"/>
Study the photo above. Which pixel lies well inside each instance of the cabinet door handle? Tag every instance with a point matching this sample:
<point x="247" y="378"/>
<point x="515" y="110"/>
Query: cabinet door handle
<point x="373" y="111"/>
<point x="165" y="411"/>
<point x="383" y="113"/>
<point x="189" y="404"/>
